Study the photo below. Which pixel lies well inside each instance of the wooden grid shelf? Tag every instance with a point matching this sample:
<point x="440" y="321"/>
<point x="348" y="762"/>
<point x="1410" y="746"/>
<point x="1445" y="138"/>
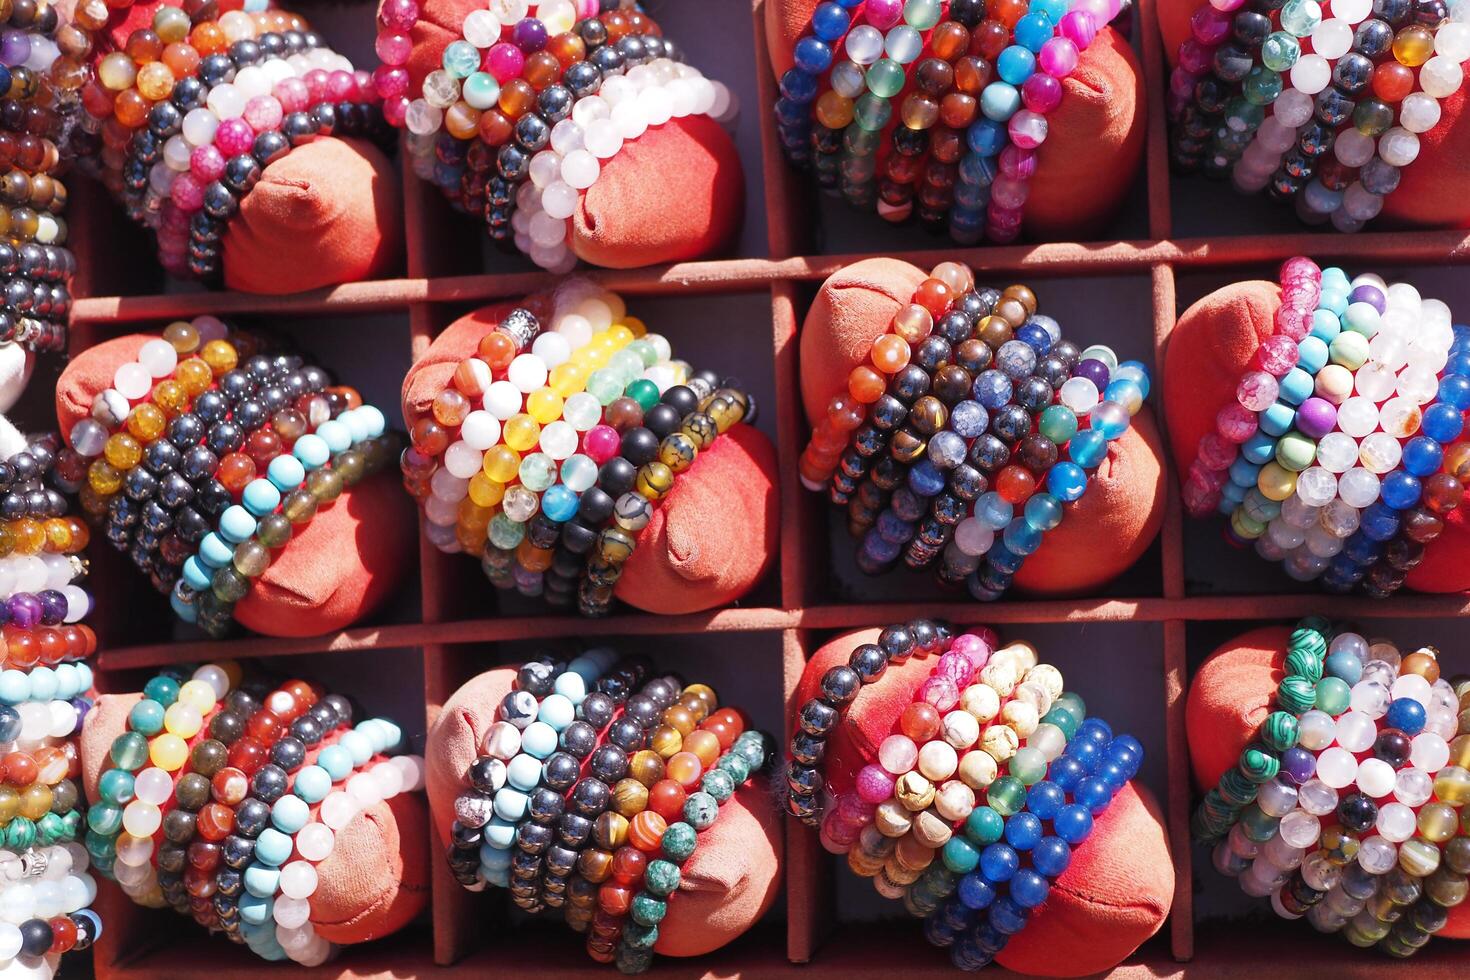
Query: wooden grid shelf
<point x="448" y="624"/>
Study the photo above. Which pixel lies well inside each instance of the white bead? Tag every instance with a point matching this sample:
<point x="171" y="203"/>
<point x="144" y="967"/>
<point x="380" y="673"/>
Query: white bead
<point x="864" y="44"/>
<point x="338" y="809"/>
<point x="580" y="169"/>
<point x="559" y="16"/>
<point x="1441" y="76"/>
<point x="441" y="512"/>
<point x="582" y="411"/>
<point x="153" y="785"/>
<point x="1079" y="394"/>
<point x="1395" y="822"/>
<point x="199" y="126"/>
<point x="63" y="719"/>
<point x="559" y="199"/>
<point x="298" y="880"/>
<point x="446" y="486"/>
<point x="1413" y="687"/>
<point x="558" y="440"/>
<point x="503" y="399"/>
<point x="292" y="913"/>
<point x="1379" y="452"/>
<point x="1413" y="787"/>
<point x="1429" y="752"/>
<point x="412" y="769"/>
<point x="1316" y="486"/>
<point x="1332" y="38"/>
<point x="481" y="28"/>
<point x="1311" y="74"/>
<point x="10" y="941"/>
<point x="1452" y="40"/>
<point x="546" y="230"/>
<point x="630" y="119"/>
<point x="251" y="82"/>
<point x="463" y="460"/>
<point x="1356" y="731"/>
<point x="1317" y="798"/>
<point x="587" y="111"/>
<point x="388" y="779"/>
<point x="1293" y="108"/>
<point x="1336" y="767"/>
<point x="616" y="90"/>
<point x="1358" y="487"/>
<point x="566" y="136"/>
<point x="509" y="12"/>
<point x="132" y="380"/>
<point x="1352" y="11"/>
<point x="545" y="167"/>
<point x="1353" y="148"/>
<point x="226" y="101"/>
<point x="422" y="119"/>
<point x="1398" y="147"/>
<point x="1418" y="113"/>
<point x="658" y="107"/>
<point x="315" y="841"/>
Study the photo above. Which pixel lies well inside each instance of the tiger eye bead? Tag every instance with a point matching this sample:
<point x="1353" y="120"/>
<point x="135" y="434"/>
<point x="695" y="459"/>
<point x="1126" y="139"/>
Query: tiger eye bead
<point x="629" y="797"/>
<point x="610" y="830"/>
<point x="646" y="766"/>
<point x="666" y="741"/>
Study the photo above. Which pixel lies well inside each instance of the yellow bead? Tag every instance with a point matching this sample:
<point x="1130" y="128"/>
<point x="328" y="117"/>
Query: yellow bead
<point x="605" y="341"/>
<point x="1452" y="785"/>
<point x="30" y="537"/>
<point x="155" y="81"/>
<point x="168" y="752"/>
<point x="1276" y="482"/>
<point x="636" y="325"/>
<point x="501" y="464"/>
<point x="621" y="333"/>
<point x="146" y="422"/>
<point x="1413" y="45"/>
<point x="182" y="335"/>
<point x="117" y="72"/>
<point x="567" y="378"/>
<point x="196" y="694"/>
<point x="485" y="491"/>
<point x="171" y="396"/>
<point x="1438" y="822"/>
<point x="473" y="515"/>
<point x="122" y="451"/>
<point x="220" y="356"/>
<point x="520" y="433"/>
<point x="194" y="375"/>
<point x="544" y="405"/>
<point x="183" y="720"/>
<point x="103" y="477"/>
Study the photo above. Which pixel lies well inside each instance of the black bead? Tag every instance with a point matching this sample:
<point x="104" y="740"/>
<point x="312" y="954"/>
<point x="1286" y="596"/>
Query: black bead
<point x="818" y="719"/>
<point x="639" y="446"/>
<point x="269" y="783"/>
<point x="288" y="753"/>
<point x="608" y="763"/>
<point x="840" y="684"/>
<point x="580" y="737"/>
<point x="590" y="797"/>
<point x="868" y="662"/>
<point x="251" y="817"/>
<point x="546" y="805"/>
<point x="560" y="771"/>
<point x="35" y="937"/>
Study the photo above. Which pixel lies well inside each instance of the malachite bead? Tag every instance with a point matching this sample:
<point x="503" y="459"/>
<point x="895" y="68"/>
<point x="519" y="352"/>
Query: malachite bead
<point x="1300" y="663"/>
<point x="1007" y="795"/>
<point x="1297" y="695"/>
<point x="1236" y="789"/>
<point x="661" y="878"/>
<point x="20" y="833"/>
<point x="1279" y="731"/>
<point x="871" y="113"/>
<point x="1333" y="695"/>
<point x="1258" y="765"/>
<point x="51" y="828"/>
<point x="1308" y="639"/>
<point x="647" y="910"/>
<point x="679" y="842"/>
<point x="984" y="825"/>
<point x="637" y="936"/>
<point x="100" y="847"/>
<point x="1280" y="51"/>
<point x="717" y="783"/>
<point x="700" y="810"/>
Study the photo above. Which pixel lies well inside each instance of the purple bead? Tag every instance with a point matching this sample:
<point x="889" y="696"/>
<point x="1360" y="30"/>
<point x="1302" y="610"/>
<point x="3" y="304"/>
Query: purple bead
<point x="53" y="607"/>
<point x="1093" y="370"/>
<point x="83" y="705"/>
<point x="24" y="609"/>
<point x="1316" y="417"/>
<point x="529" y="35"/>
<point x="1370" y="294"/>
<point x="1298" y="764"/>
<point x="15" y="48"/>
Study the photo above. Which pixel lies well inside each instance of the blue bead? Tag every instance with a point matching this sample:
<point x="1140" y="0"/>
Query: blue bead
<point x="998" y="862"/>
<point x="969" y="419"/>
<point x="1051" y="856"/>
<point x="1127" y="749"/>
<point x="261" y="497"/>
<point x="1361" y="548"/>
<point x="925" y="478"/>
<point x="273" y="848"/>
<point x="196" y="575"/>
<point x="1008" y="916"/>
<point x="214" y="551"/>
<point x="558" y="503"/>
<point x="1442" y="423"/>
<point x="992" y="389"/>
<point x="1244" y="473"/>
<point x="830" y="21"/>
<point x="1034" y="335"/>
<point x="286" y="472"/>
<point x="879" y="550"/>
<point x="1021" y="538"/>
<point x="1067" y="772"/>
<point x="1015" y="64"/>
<point x="1423" y="455"/>
<point x="1259" y="448"/>
<point x="1095" y="730"/>
<point x="1400" y="490"/>
<point x="1456" y="379"/>
<point x="1043" y="511"/>
<point x="336" y="760"/>
<point x="1277" y="419"/>
<point x="1045" y="798"/>
<point x="1296" y="387"/>
<point x="1405" y="714"/>
<point x="1343" y="665"/>
<point x="1084" y="751"/>
<point x="994" y="511"/>
<point x="1066" y="481"/>
<point x="812" y="55"/>
<point x="1023" y="830"/>
<point x="1029" y="888"/>
<point x="1034" y="30"/>
<point x="236" y="524"/>
<point x="1088" y="448"/>
<point x="1000" y="101"/>
<point x="893" y="529"/>
<point x="1003" y="560"/>
<point x="1311" y="354"/>
<point x="1325" y="324"/>
<point x="1072" y="824"/>
<point x="799" y="86"/>
<point x="1096" y="793"/>
<point x="975" y="892"/>
<point x="312" y="784"/>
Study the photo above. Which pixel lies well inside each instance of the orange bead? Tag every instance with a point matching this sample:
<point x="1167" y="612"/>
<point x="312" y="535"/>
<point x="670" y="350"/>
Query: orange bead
<point x="1420" y="663"/>
<point x="497" y="350"/>
<point x="181" y="59"/>
<point x="890" y="353"/>
<point x="208" y="38"/>
<point x="542" y="70"/>
<point x="628" y="866"/>
<point x="1015" y="484"/>
<point x="495" y="129"/>
<point x="992" y="37"/>
<point x="215" y="821"/>
<point x="469" y="377"/>
<point x="429" y="437"/>
<point x="919" y="721"/>
<point x="230" y="786"/>
<point x="450" y="407"/>
<point x="144" y="46"/>
<point x="666" y="798"/>
<point x="680" y="718"/>
<point x="1392" y="81"/>
<point x="614" y="899"/>
<point x="131" y="109"/>
<point x="646" y="831"/>
<point x="517" y="98"/>
<point x="685" y="769"/>
<point x="865" y="385"/>
<point x="568" y="49"/>
<point x="235" y="471"/>
<point x="934" y="295"/>
<point x="20" y="768"/>
<point x="949" y="40"/>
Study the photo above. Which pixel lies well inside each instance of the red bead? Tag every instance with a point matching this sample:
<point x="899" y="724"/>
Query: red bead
<point x="666" y="798"/>
<point x="266" y="726"/>
<point x="1015" y="484"/>
<point x="63" y="934"/>
<point x="248" y="755"/>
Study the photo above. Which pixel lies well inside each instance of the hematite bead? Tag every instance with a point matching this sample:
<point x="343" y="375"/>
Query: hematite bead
<point x="818" y="719"/>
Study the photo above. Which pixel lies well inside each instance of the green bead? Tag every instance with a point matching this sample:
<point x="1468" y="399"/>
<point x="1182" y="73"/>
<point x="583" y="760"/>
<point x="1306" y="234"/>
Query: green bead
<point x="1062" y="718"/>
<point x="984" y="825"/>
<point x="1301" y="17"/>
<point x="1262" y="86"/>
<point x="51" y="828"/>
<point x="1295" y="452"/>
<point x="1256" y="825"/>
<point x="737" y="767"/>
<point x="480" y="90"/>
<point x="662" y="877"/>
<point x="939" y="880"/>
<point x="1280" y="51"/>
<point x="1258" y="765"/>
<point x="753" y="750"/>
<point x="100" y="846"/>
<point x="1073" y="702"/>
<point x="1308" y="666"/>
<point x="1235" y="789"/>
<point x="637" y="936"/>
<point x="644" y="392"/>
<point x="1029" y="766"/>
<point x="1058" y="423"/>
<point x="1296" y="695"/>
<point x="104" y="818"/>
<point x="116" y="787"/>
<point x="862" y="143"/>
<point x="1372" y="117"/>
<point x="163" y="689"/>
<point x="20" y="833"/>
<point x="1333" y="695"/>
<point x="959" y="855"/>
<point x="647" y="353"/>
<point x="626" y="363"/>
<point x="700" y="810"/>
<point x="1007" y="795"/>
<point x="604" y="385"/>
<point x="717" y="783"/>
<point x="870" y="112"/>
<point x="130" y="751"/>
<point x="506" y="533"/>
<point x="1309" y="640"/>
<point x="885" y="78"/>
<point x="679" y="842"/>
<point x="647" y="910"/>
<point x="72" y="824"/>
<point x="146" y="718"/>
<point x="630" y="960"/>
<point x="921" y="14"/>
<point x="1279" y="731"/>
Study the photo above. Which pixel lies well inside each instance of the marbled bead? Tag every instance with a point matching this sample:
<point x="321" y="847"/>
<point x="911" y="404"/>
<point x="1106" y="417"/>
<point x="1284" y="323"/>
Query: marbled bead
<point x="701" y="810"/>
<point x="661" y="878"/>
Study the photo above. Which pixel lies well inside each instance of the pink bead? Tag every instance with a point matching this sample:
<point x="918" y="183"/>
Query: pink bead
<point x="316" y="84"/>
<point x="340" y="85"/>
<point x="1300" y="267"/>
<point x="263" y="113"/>
<point x="1200" y="500"/>
<point x="1209" y="26"/>
<point x="398" y="15"/>
<point x="956" y="667"/>
<point x="853" y="809"/>
<point x="393" y="48"/>
<point x="587" y="8"/>
<point x="941" y="692"/>
<point x="897" y="754"/>
<point x="1257" y="391"/>
<point x="883" y="14"/>
<point x="390" y="82"/>
<point x="294" y="95"/>
<point x="233" y="137"/>
<point x="601" y="442"/>
<point x="1277" y="355"/>
<point x="1079" y="27"/>
<point x="1236" y="423"/>
<point x="1227" y="6"/>
<point x="1293" y="321"/>
<point x="1194" y="57"/>
<point x="207" y="163"/>
<point x="973" y="648"/>
<point x="1008" y="193"/>
<point x="1102" y="11"/>
<point x="362" y="83"/>
<point x="831" y="844"/>
<point x="1182" y="83"/>
<point x="1016" y="162"/>
<point x="395" y="110"/>
<point x="873" y="784"/>
<point x="1027" y="130"/>
<point x="187" y="192"/>
<point x="1058" y="57"/>
<point x="1041" y="93"/>
<point x="1003" y="236"/>
<point x="505" y="61"/>
<point x="1216" y="452"/>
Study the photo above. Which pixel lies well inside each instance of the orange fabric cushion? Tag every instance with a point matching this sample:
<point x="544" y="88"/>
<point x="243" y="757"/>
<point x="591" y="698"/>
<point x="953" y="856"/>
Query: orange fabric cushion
<point x="712" y="537"/>
<point x="1212" y="345"/>
<point x="730" y="882"/>
<point x="1101" y="118"/>
<point x="1120" y="885"/>
<point x="1429" y="194"/>
<point x="1229" y="698"/>
<point x="375" y="881"/>
<point x="628" y="218"/>
<point x="315" y="585"/>
<point x="1124" y="503"/>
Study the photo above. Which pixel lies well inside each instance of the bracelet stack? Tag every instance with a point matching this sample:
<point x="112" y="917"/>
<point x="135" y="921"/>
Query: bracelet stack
<point x="222" y="798"/>
<point x="1343" y="452"/>
<point x="1346" y="808"/>
<point x="975" y="801"/>
<point x="182" y="121"/>
<point x="555" y="443"/>
<point x="1349" y="93"/>
<point x="206" y="453"/>
<point x="595" y="782"/>
<point x="964" y="91"/>
<point x="961" y="439"/>
<point x="529" y="103"/>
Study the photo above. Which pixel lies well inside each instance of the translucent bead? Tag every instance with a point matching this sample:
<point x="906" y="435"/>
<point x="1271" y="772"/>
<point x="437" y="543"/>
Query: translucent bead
<point x="1315" y="730"/>
<point x="1337" y="452"/>
<point x="1358" y="487"/>
<point x="1398" y="147"/>
<point x="1379" y="452"/>
<point x="1370" y="698"/>
<point x="1300" y="829"/>
<point x="1336" y="767"/>
<point x="1311" y="74"/>
<point x="1375" y="777"/>
<point x="1317" y="798"/>
<point x="1396" y="822"/>
<point x="1442" y="76"/>
<point x="1079" y="394"/>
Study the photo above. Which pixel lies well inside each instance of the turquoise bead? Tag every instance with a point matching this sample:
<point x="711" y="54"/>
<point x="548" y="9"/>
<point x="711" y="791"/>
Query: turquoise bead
<point x="701" y="810"/>
<point x="1063" y="719"/>
<point x="644" y="392"/>
<point x="461" y="59"/>
<point x="272" y="848"/>
<point x="751" y="746"/>
<point x="1058" y="423"/>
<point x="15" y="687"/>
<point x="499" y="833"/>
<point x="286" y="472"/>
<point x="312" y="450"/>
<point x="717" y="783"/>
<point x="20" y="833"/>
<point x="51" y="828"/>
<point x="196" y="574"/>
<point x="336" y="760"/>
<point x="336" y="435"/>
<point x="236" y="525"/>
<point x="255" y="910"/>
<point x="985" y="825"/>
<point x="261" y="497"/>
<point x="290" y="813"/>
<point x="511" y="804"/>
<point x="885" y="78"/>
<point x="647" y="910"/>
<point x="43" y="683"/>
<point x="737" y="767"/>
<point x="1333" y="695"/>
<point x="1000" y="101"/>
<point x="678" y="842"/>
<point x="1043" y="511"/>
<point x="163" y="689"/>
<point x="312" y="784"/>
<point x="146" y="718"/>
<point x="959" y="855"/>
<point x="661" y="877"/>
<point x="215" y="552"/>
<point x="103" y="818"/>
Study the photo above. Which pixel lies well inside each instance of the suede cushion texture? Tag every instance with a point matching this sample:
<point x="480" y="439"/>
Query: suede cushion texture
<point x="1231" y="694"/>
<point x="375" y="881"/>
<point x="1212" y="345"/>
<point x="1120" y="885"/>
<point x="712" y="537"/>
<point x="1124" y="503"/>
<point x="328" y="212"/>
<point x="1095" y="137"/>
<point x="1430" y="193"/>
<point x="336" y="570"/>
<point x="730" y="882"/>
<point x="628" y="218"/>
